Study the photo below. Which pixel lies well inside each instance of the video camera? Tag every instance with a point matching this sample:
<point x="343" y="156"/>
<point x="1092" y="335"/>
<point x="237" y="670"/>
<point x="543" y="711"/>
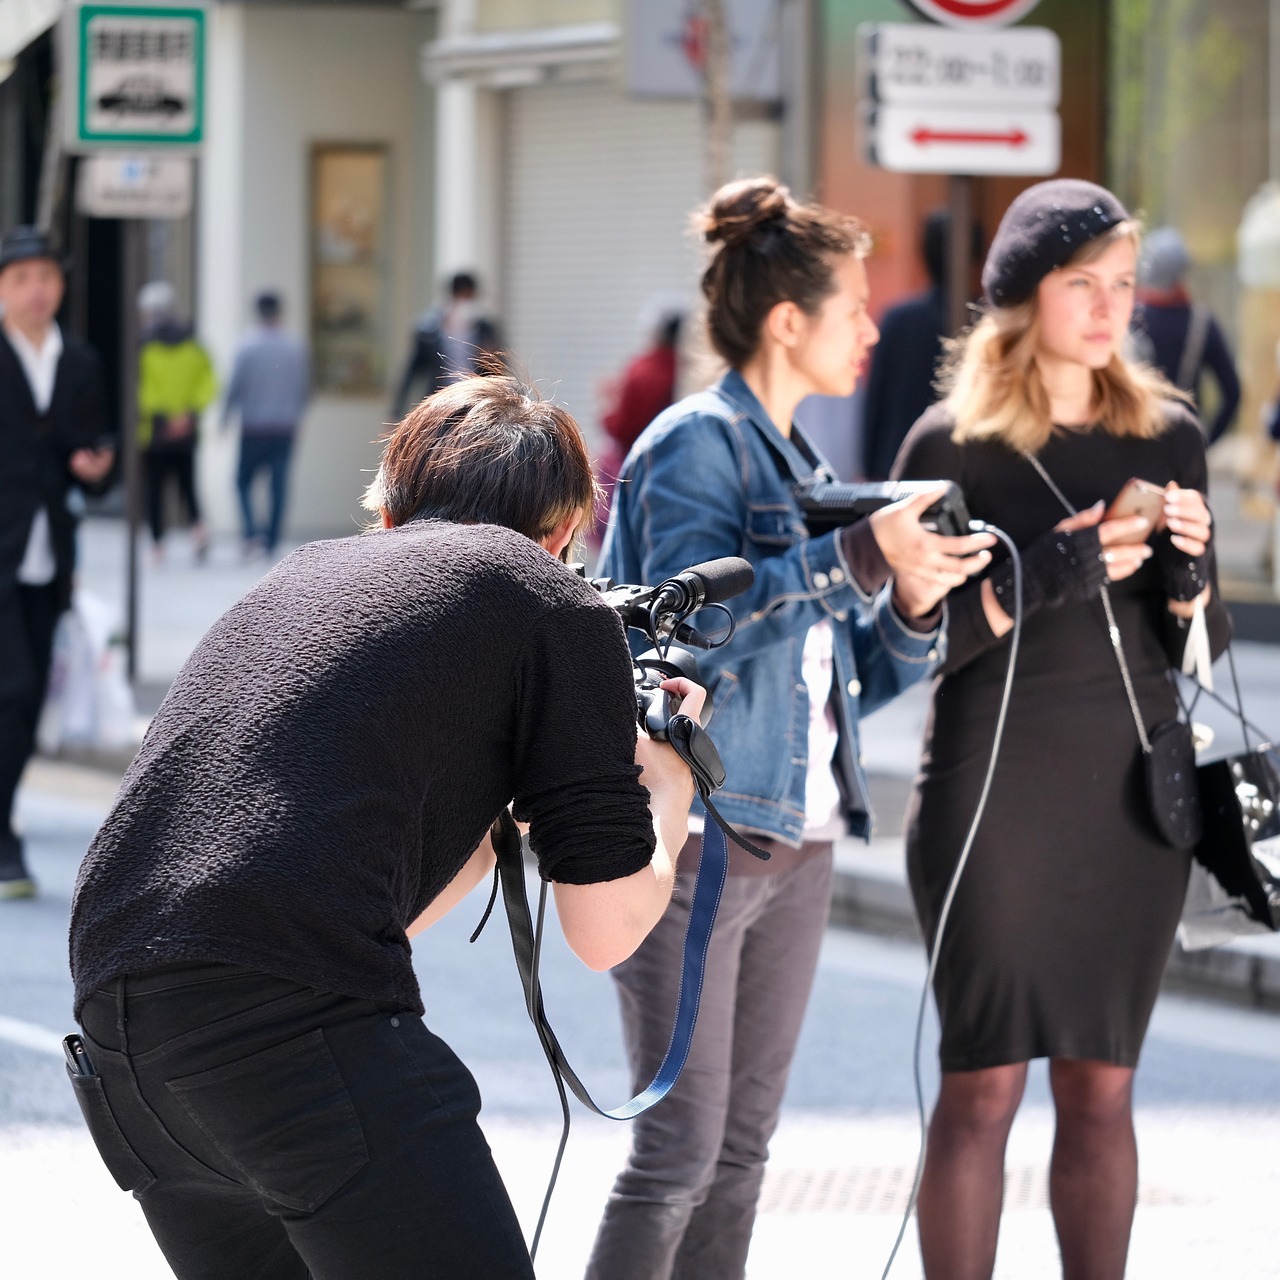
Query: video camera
<point x="661" y="612"/>
<point x="829" y="504"/>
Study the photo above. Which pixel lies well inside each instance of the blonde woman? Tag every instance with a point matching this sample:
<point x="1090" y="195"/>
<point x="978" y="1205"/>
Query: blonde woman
<point x="1066" y="910"/>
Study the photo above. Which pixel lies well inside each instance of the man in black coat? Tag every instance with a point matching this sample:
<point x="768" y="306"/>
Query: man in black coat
<point x="51" y="427"/>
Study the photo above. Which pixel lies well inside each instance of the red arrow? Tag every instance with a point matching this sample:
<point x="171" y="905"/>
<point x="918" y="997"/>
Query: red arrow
<point x="1013" y="138"/>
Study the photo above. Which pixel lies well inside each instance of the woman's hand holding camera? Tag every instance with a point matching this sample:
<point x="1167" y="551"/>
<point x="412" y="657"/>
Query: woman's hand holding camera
<point x="925" y="565"/>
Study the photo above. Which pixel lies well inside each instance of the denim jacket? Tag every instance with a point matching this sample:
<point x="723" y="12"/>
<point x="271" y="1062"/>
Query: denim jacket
<point x="712" y="476"/>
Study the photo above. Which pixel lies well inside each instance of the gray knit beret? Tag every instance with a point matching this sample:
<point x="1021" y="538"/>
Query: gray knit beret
<point x="1042" y="230"/>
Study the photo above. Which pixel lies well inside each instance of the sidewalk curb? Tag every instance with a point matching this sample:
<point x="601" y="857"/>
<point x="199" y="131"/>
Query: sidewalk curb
<point x="873" y="898"/>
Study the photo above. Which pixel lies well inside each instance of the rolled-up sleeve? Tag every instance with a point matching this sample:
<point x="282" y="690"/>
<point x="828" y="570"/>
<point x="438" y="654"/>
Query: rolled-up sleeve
<point x="576" y="782"/>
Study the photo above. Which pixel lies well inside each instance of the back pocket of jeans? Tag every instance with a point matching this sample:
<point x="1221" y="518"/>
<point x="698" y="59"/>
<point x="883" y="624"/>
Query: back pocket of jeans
<point x="120" y="1158"/>
<point x="284" y="1118"/>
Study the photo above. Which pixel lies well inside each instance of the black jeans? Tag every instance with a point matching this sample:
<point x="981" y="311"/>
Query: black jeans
<point x="162" y="462"/>
<point x="273" y="1132"/>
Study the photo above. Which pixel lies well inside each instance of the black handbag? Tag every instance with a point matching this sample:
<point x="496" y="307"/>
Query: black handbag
<point x="1234" y="889"/>
<point x="1172" y="785"/>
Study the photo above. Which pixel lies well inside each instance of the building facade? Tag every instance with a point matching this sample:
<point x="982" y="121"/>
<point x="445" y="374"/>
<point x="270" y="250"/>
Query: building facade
<point x="358" y="153"/>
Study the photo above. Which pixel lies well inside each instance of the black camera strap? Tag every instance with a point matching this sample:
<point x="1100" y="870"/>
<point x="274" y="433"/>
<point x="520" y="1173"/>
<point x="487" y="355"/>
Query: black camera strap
<point x="527" y="945"/>
<point x="697" y="750"/>
<point x="693" y="746"/>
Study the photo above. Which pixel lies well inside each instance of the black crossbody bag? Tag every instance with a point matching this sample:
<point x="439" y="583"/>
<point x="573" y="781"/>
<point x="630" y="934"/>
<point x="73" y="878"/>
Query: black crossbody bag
<point x="1226" y="811"/>
<point x="1168" y="751"/>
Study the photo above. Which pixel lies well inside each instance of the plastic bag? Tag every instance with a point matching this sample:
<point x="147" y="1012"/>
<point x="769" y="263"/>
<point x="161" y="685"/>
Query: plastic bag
<point x="88" y="702"/>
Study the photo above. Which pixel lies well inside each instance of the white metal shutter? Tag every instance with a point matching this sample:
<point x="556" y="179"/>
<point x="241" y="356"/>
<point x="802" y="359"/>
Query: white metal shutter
<point x="599" y="192"/>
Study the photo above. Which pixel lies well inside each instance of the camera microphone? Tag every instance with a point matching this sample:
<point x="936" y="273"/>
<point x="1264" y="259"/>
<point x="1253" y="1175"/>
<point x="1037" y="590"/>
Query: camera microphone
<point x="703" y="584"/>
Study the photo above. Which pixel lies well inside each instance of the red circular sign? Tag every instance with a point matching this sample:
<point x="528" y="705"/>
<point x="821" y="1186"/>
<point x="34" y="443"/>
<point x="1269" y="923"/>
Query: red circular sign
<point x="974" y="13"/>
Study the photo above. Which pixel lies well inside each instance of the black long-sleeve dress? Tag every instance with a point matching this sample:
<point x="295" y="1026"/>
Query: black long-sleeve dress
<point x="1066" y="911"/>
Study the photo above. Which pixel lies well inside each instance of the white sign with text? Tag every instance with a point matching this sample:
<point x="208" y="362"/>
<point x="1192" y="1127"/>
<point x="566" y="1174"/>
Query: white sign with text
<point x="134" y="186"/>
<point x="911" y="62"/>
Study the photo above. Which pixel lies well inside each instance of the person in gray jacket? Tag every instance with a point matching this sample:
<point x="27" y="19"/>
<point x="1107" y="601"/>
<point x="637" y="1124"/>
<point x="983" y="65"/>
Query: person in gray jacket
<point x="270" y="386"/>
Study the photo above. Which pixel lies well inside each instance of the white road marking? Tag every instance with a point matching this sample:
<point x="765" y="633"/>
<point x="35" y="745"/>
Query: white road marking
<point x="29" y="1036"/>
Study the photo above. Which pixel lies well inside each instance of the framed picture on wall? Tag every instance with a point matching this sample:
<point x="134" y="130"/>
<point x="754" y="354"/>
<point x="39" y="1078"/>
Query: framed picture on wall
<point x="349" y="267"/>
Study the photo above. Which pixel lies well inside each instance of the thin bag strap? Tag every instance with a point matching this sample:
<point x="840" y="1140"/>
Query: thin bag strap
<point x="1193" y="346"/>
<point x="1113" y="629"/>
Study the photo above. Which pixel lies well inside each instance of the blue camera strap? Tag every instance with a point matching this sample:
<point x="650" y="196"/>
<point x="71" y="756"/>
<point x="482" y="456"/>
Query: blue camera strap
<point x="699" y="753"/>
<point x="526" y="942"/>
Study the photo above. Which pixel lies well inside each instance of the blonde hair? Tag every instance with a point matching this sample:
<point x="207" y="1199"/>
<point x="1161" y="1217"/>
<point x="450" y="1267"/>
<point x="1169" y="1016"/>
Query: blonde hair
<point x="993" y="387"/>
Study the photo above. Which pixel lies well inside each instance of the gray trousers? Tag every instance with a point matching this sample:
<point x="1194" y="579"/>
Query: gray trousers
<point x="684" y="1206"/>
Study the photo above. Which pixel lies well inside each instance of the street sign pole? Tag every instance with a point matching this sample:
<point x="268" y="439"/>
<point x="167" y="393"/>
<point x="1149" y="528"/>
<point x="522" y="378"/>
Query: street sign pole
<point x="132" y="268"/>
<point x="133" y="81"/>
<point x="960" y="193"/>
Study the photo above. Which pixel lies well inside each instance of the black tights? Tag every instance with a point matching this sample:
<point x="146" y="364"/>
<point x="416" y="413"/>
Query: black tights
<point x="1093" y="1176"/>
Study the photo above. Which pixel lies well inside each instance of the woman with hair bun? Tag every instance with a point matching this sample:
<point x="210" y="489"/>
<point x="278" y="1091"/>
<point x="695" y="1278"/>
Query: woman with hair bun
<point x="833" y="627"/>
<point x="1065" y="912"/>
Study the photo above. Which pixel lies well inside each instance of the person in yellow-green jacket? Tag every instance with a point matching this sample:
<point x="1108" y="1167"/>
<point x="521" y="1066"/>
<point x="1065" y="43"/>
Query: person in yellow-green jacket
<point x="176" y="382"/>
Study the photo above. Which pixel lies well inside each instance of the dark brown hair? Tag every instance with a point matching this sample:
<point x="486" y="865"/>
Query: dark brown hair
<point x="485" y="450"/>
<point x="771" y="249"/>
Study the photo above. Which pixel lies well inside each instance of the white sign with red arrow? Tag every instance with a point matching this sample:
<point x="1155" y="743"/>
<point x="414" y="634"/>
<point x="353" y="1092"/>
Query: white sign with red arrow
<point x="939" y="100"/>
<point x="941" y="139"/>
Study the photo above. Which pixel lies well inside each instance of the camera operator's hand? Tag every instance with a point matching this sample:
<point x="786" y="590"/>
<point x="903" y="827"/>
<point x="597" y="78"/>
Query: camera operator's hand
<point x="667" y="776"/>
<point x="925" y="565"/>
<point x="604" y="923"/>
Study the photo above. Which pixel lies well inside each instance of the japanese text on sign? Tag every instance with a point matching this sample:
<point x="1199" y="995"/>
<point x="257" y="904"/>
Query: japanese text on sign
<point x="138" y="72"/>
<point x="142" y="45"/>
<point x="910" y="62"/>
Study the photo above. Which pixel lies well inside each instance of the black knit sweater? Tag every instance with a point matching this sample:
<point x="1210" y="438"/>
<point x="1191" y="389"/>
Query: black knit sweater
<point x="340" y="742"/>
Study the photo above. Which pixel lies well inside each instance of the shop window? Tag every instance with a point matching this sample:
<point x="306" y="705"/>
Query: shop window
<point x="349" y="267"/>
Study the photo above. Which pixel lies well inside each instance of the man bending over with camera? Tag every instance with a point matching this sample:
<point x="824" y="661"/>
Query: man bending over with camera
<point x="317" y="786"/>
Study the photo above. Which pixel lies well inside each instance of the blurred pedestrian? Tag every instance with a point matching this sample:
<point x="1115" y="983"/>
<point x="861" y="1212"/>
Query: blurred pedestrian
<point x="269" y="388"/>
<point x="905" y="363"/>
<point x="52" y="425"/>
<point x="823" y="637"/>
<point x="1065" y="912"/>
<point x="176" y="383"/>
<point x="1179" y="337"/>
<point x="646" y="386"/>
<point x="448" y="343"/>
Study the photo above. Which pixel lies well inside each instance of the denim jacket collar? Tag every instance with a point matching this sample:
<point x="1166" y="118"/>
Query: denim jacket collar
<point x="733" y="387"/>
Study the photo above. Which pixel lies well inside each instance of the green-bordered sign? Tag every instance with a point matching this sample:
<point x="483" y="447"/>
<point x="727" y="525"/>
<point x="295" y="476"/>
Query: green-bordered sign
<point x="138" y="76"/>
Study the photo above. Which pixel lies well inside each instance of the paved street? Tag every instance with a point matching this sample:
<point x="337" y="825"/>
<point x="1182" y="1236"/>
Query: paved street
<point x="1209" y="1115"/>
<point x="843" y="1158"/>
